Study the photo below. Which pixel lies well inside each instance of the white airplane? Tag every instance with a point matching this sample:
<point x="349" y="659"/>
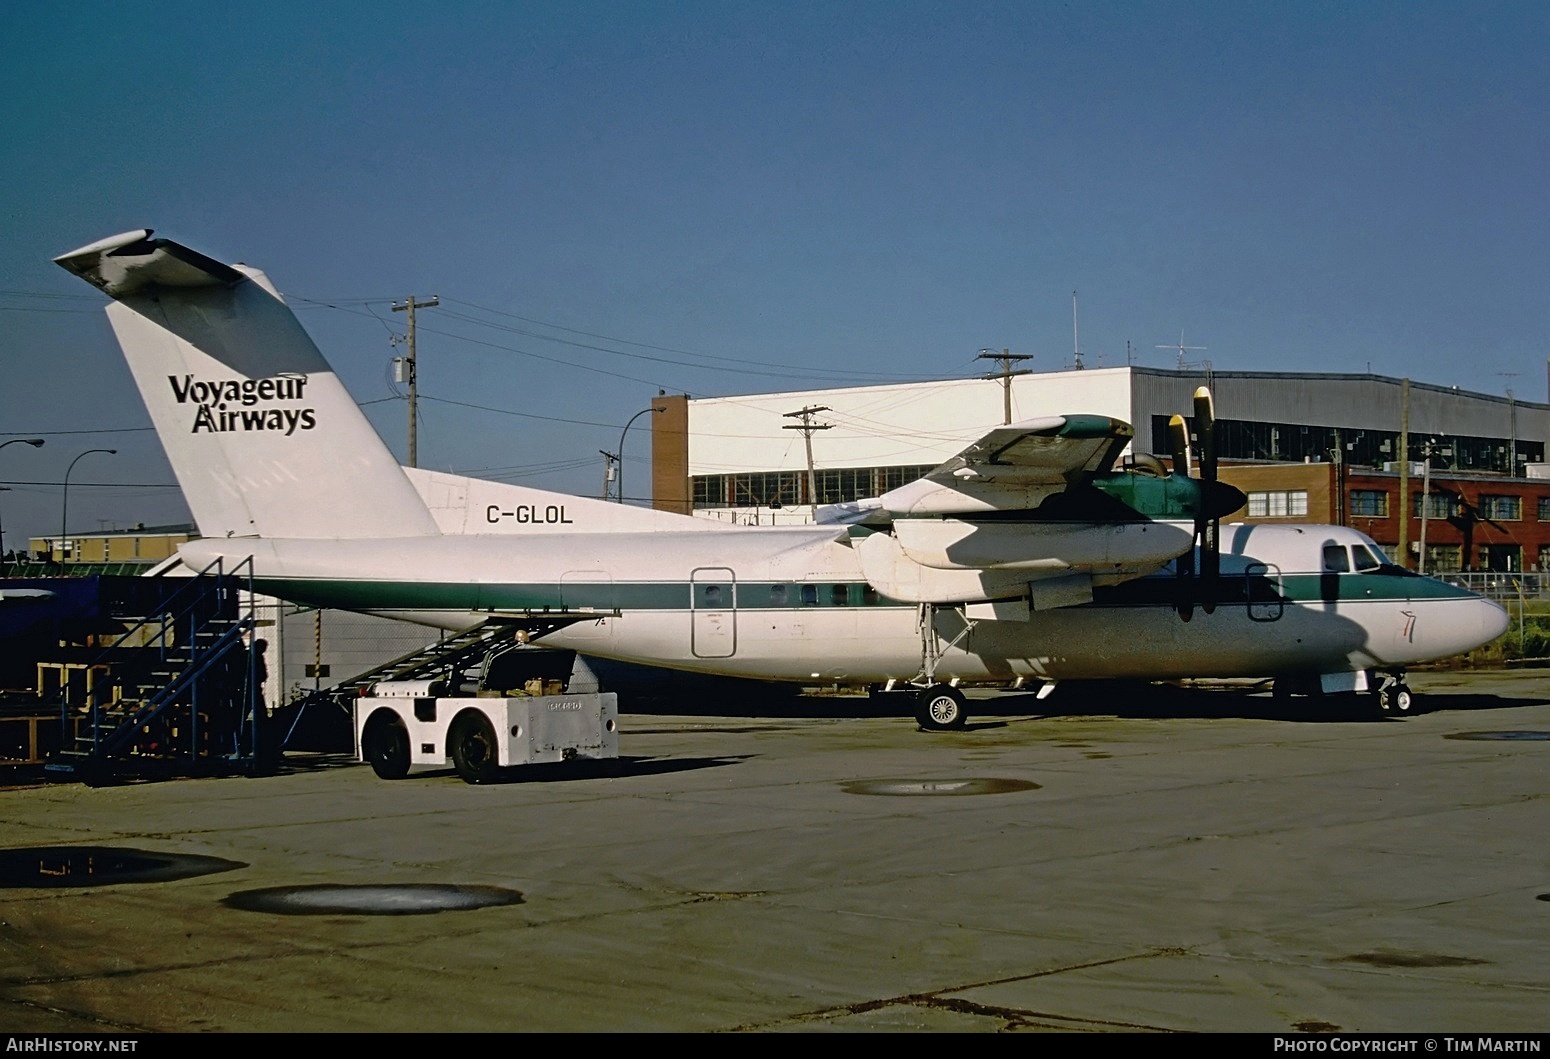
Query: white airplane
<point x="1027" y="557"/>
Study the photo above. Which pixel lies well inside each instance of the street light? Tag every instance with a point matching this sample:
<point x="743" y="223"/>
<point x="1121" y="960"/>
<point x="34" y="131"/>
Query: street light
<point x="622" y="433"/>
<point x="35" y="443"/>
<point x="64" y="507"/>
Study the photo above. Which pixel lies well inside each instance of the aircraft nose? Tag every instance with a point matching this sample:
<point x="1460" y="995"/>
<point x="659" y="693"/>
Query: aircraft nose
<point x="1493" y="620"/>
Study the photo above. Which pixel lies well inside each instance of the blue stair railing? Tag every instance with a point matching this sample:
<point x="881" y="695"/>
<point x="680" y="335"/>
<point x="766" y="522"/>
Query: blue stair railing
<point x="182" y="694"/>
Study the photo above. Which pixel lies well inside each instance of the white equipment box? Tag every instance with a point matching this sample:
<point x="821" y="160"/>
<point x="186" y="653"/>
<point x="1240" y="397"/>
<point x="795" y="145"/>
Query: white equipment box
<point x="480" y="736"/>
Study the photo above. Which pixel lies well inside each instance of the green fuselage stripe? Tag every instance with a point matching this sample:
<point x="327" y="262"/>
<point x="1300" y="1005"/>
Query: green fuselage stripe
<point x="1155" y="590"/>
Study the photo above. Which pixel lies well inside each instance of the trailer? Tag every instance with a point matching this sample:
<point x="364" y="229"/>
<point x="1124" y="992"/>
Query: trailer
<point x="410" y="726"/>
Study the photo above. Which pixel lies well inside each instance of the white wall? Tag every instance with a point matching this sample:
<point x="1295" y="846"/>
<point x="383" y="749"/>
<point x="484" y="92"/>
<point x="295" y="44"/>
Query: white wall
<point x="926" y="423"/>
<point x="879" y="426"/>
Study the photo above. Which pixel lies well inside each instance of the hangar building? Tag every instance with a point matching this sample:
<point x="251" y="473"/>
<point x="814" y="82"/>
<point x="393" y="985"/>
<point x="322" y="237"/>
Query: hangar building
<point x="1305" y="447"/>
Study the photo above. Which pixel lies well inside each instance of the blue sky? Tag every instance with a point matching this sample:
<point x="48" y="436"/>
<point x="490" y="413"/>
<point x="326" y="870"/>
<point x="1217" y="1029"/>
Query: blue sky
<point x="718" y="198"/>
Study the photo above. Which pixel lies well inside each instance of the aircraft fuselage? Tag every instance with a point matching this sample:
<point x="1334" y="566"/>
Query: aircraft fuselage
<point x="792" y="604"/>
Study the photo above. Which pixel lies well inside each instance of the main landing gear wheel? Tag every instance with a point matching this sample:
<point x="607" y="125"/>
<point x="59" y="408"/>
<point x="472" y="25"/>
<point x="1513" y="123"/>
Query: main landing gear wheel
<point x="474" y="751"/>
<point x="385" y="746"/>
<point x="1396" y="698"/>
<point x="941" y="707"/>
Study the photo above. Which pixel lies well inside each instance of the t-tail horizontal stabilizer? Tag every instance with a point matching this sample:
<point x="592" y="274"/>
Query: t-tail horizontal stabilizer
<point x="263" y="437"/>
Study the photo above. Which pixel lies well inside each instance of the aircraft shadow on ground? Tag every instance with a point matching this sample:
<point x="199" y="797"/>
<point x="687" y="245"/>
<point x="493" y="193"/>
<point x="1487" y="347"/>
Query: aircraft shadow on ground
<point x="1087" y="699"/>
<point x="1163" y="702"/>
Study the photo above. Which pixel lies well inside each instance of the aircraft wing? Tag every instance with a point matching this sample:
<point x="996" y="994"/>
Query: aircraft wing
<point x="1015" y="467"/>
<point x="1028" y="512"/>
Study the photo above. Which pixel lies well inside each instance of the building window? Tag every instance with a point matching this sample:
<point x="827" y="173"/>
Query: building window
<point x="1438" y="505"/>
<point x="893" y="477"/>
<point x="1501" y="508"/>
<point x="789" y="488"/>
<point x="1544" y="509"/>
<point x="1370" y="502"/>
<point x="1501" y="558"/>
<point x="839" y="485"/>
<point x="1278" y="505"/>
<point x="710" y="490"/>
<point x="1444" y="558"/>
<point x="767" y="489"/>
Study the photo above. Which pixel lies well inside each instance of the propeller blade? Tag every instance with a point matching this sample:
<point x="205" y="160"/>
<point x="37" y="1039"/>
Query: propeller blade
<point x="1205" y="433"/>
<point x="1178" y="440"/>
<point x="1207" y="526"/>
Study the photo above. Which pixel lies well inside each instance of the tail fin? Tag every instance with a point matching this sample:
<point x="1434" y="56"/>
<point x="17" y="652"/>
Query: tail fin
<point x="262" y="435"/>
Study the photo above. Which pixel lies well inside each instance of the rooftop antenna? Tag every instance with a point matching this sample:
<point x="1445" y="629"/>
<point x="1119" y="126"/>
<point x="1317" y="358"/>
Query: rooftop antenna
<point x="1076" y="347"/>
<point x="1512" y="419"/>
<point x="1181" y="347"/>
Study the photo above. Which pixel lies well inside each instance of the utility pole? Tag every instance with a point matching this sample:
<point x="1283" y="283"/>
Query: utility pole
<point x="410" y="375"/>
<point x="807" y="426"/>
<point x="1338" y="453"/>
<point x="1005" y="358"/>
<point x="1429" y="447"/>
<point x="609" y="459"/>
<point x="1404" y="474"/>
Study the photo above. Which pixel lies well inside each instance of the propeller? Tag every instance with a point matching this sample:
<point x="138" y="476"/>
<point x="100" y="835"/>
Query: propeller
<point x="1184" y="565"/>
<point x="1215" y="499"/>
<point x="1208" y="530"/>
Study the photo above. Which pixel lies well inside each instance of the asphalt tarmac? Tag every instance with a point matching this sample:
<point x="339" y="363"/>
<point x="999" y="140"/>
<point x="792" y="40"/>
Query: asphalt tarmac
<point x="1110" y="860"/>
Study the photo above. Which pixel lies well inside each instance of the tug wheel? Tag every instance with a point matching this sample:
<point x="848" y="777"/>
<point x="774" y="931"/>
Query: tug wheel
<point x="472" y="744"/>
<point x="385" y="746"/>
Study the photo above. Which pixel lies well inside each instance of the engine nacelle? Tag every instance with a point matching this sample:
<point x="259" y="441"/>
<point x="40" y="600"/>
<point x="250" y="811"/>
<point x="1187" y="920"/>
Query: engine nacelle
<point x="1050" y="548"/>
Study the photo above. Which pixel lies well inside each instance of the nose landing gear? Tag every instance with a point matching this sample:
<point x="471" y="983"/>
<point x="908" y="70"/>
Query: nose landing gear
<point x="1394" y="695"/>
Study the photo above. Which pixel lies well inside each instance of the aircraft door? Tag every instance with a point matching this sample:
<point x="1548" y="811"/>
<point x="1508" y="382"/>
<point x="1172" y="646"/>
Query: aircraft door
<point x="713" y="612"/>
<point x="588" y="591"/>
<point x="1262" y="592"/>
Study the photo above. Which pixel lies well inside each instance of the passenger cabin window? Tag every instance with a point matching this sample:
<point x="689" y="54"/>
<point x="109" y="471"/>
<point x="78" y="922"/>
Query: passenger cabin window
<point x="809" y="595"/>
<point x="1336" y="561"/>
<point x="778" y="595"/>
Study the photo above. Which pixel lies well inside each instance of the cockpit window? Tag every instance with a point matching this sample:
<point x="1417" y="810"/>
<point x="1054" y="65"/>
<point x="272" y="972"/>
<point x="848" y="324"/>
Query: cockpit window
<point x="1336" y="560"/>
<point x="1366" y="557"/>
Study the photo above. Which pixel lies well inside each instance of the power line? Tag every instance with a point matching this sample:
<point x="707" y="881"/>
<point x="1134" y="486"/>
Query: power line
<point x="803" y="369"/>
<point x="63" y="433"/>
<point x="94" y="485"/>
<point x="785" y="372"/>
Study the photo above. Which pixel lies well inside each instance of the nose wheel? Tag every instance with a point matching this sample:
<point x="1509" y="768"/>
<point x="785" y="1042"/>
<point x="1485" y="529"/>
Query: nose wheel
<point x="1395" y="696"/>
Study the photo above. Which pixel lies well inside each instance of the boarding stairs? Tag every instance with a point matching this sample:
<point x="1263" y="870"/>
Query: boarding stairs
<point x="176" y="694"/>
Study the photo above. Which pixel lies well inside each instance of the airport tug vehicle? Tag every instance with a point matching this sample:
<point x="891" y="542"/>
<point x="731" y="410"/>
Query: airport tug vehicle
<point x="411" y="725"/>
